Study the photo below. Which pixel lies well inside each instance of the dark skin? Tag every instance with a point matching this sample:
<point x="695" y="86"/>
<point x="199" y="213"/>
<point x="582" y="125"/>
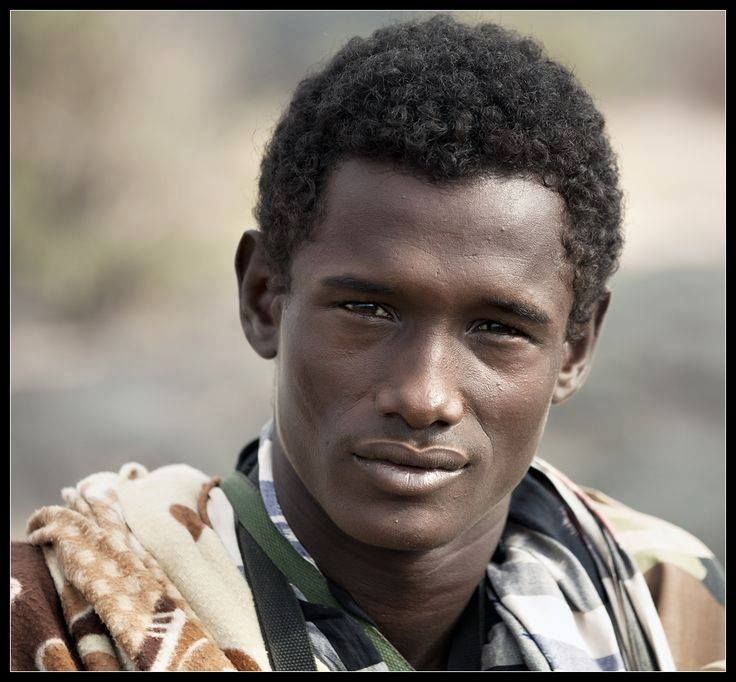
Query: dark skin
<point x="432" y="316"/>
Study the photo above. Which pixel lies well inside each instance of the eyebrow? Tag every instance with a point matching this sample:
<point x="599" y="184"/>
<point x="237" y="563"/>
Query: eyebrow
<point x="522" y="310"/>
<point x="357" y="284"/>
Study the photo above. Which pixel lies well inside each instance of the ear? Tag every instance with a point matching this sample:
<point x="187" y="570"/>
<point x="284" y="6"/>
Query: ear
<point x="579" y="354"/>
<point x="260" y="300"/>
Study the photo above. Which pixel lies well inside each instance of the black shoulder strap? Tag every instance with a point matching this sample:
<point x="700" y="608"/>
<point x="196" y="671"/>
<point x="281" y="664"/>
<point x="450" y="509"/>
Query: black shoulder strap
<point x="279" y="613"/>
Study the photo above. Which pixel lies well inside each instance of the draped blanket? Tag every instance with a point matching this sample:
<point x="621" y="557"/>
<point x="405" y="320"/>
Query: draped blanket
<point x="146" y="574"/>
<point x="145" y="583"/>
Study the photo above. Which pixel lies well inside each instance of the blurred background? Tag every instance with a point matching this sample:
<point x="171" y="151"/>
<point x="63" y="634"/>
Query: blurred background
<point x="136" y="138"/>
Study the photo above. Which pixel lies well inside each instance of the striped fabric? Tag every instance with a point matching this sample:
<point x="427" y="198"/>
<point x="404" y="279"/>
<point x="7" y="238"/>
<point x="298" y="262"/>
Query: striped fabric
<point x="561" y="591"/>
<point x="268" y="493"/>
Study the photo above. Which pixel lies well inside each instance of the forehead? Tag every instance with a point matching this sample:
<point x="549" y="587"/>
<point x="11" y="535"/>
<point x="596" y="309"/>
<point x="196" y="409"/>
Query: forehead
<point x="503" y="232"/>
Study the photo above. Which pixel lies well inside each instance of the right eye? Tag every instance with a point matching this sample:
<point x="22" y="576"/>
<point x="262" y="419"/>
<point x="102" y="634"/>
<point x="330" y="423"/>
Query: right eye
<point x="367" y="309"/>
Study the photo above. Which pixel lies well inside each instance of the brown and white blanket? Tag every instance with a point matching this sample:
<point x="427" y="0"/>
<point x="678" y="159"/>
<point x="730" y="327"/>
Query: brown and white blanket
<point x="143" y="581"/>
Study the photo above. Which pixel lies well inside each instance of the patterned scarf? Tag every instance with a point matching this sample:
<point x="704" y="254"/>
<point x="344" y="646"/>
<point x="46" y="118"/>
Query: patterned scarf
<point x="563" y="594"/>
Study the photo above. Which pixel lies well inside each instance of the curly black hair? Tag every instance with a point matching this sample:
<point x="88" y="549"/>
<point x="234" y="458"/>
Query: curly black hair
<point x="448" y="101"/>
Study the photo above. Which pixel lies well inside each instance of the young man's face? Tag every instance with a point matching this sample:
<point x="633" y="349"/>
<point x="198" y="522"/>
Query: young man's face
<point x="419" y="350"/>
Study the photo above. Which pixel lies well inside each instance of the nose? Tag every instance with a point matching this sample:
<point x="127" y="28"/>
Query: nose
<point x="421" y="387"/>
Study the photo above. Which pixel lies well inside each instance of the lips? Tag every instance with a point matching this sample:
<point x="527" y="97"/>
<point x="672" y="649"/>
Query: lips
<point x="401" y="470"/>
<point x="404" y="455"/>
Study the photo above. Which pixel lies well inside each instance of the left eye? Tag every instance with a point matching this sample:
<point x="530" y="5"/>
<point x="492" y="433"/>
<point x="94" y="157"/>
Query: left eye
<point x="367" y="309"/>
<point x="498" y="328"/>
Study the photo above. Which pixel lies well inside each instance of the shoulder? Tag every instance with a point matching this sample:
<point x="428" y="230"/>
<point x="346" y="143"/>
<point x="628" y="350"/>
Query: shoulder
<point x="652" y="540"/>
<point x="685" y="580"/>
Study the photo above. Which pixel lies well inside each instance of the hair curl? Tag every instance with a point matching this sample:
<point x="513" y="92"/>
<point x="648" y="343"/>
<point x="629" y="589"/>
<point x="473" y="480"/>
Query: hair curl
<point x="448" y="101"/>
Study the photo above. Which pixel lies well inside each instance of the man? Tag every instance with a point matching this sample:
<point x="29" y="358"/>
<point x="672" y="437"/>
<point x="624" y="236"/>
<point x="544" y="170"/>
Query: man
<point x="439" y="215"/>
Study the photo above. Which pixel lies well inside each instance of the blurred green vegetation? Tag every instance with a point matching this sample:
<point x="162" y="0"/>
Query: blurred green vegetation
<point x="77" y="252"/>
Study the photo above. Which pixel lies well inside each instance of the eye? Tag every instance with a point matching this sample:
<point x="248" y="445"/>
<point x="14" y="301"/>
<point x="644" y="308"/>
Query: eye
<point x="367" y="309"/>
<point x="494" y="327"/>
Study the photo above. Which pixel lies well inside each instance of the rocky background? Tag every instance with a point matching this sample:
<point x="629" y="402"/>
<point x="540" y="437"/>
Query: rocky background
<point x="136" y="139"/>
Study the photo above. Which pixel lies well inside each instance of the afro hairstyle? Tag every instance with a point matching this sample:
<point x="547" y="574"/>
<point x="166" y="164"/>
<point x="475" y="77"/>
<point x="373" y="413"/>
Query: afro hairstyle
<point x="447" y="101"/>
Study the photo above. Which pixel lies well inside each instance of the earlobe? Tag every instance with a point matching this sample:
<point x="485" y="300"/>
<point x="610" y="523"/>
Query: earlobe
<point x="579" y="355"/>
<point x="257" y="295"/>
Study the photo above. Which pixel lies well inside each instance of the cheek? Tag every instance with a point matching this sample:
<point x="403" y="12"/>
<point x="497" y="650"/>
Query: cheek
<point x="513" y="415"/>
<point x="317" y="382"/>
<point x="525" y="402"/>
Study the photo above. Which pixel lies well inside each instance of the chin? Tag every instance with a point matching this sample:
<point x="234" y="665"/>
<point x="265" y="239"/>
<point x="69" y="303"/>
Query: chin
<point x="400" y="531"/>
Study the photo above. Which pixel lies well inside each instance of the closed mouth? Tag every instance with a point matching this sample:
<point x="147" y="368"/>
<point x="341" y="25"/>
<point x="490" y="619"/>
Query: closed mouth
<point x="404" y="455"/>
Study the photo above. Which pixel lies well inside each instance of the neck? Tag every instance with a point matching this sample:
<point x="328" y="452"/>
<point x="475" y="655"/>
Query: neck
<point x="414" y="597"/>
